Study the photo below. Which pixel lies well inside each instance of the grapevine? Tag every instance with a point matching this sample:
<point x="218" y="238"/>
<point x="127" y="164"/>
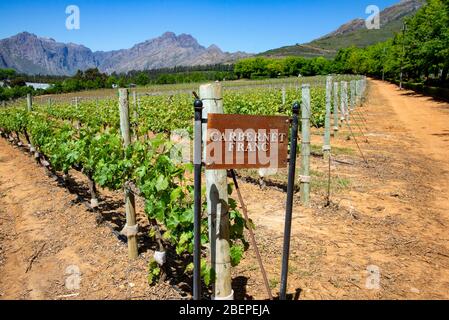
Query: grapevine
<point x="87" y="137"/>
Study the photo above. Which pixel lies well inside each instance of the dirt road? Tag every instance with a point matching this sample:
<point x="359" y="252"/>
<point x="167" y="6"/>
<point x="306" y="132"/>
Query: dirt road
<point x="52" y="247"/>
<point x="390" y="224"/>
<point x="389" y="218"/>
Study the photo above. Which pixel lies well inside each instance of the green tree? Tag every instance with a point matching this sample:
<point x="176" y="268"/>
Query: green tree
<point x="18" y="82"/>
<point x="426" y="41"/>
<point x="142" y="79"/>
<point x="6" y="74"/>
<point x="112" y="80"/>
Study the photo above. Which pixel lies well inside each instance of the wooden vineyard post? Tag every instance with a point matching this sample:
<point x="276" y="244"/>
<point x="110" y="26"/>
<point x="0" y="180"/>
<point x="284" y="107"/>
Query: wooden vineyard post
<point x="363" y="86"/>
<point x="348" y="101"/>
<point x="362" y="90"/>
<point x="135" y="115"/>
<point x="357" y="93"/>
<point x="29" y="109"/>
<point x="138" y="104"/>
<point x="77" y="123"/>
<point x="29" y="102"/>
<point x="130" y="229"/>
<point x="217" y="203"/>
<point x="344" y="101"/>
<point x="305" y="145"/>
<point x="283" y="96"/>
<point x="352" y="96"/>
<point x="336" y="123"/>
<point x="327" y="122"/>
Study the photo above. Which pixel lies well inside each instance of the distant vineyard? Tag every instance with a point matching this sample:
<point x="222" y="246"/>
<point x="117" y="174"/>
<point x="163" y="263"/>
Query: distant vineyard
<point x="84" y="134"/>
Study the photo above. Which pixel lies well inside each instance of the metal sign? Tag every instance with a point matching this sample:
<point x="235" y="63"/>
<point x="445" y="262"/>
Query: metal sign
<point x="246" y="142"/>
<point x="236" y="141"/>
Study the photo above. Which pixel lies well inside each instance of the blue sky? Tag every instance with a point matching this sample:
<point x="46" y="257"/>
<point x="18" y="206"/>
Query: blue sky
<point x="246" y="25"/>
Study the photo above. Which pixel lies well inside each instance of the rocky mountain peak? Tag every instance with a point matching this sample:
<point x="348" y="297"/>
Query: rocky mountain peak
<point x="214" y="48"/>
<point x="390" y="14"/>
<point x="31" y="54"/>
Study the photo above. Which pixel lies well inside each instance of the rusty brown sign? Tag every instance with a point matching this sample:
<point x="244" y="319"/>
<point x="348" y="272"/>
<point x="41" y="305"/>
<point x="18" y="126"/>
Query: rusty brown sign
<point x="246" y="142"/>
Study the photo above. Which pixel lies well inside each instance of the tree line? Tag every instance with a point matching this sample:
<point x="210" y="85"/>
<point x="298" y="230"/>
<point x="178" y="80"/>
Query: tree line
<point x="14" y="84"/>
<point x="420" y="52"/>
<point x="261" y="67"/>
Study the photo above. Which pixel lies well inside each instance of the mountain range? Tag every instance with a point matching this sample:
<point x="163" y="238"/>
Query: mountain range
<point x="28" y="53"/>
<point x="353" y="33"/>
<point x="31" y="54"/>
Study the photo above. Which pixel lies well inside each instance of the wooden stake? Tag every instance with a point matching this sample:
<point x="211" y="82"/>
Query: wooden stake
<point x="327" y="121"/>
<point x="77" y="121"/>
<point x="29" y="102"/>
<point x="252" y="238"/>
<point x="135" y="115"/>
<point x="353" y="96"/>
<point x="217" y="203"/>
<point x="344" y="102"/>
<point x="329" y="172"/>
<point x="131" y="226"/>
<point x="283" y="95"/>
<point x="29" y="109"/>
<point x="336" y="101"/>
<point x="305" y="145"/>
<point x="357" y="93"/>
